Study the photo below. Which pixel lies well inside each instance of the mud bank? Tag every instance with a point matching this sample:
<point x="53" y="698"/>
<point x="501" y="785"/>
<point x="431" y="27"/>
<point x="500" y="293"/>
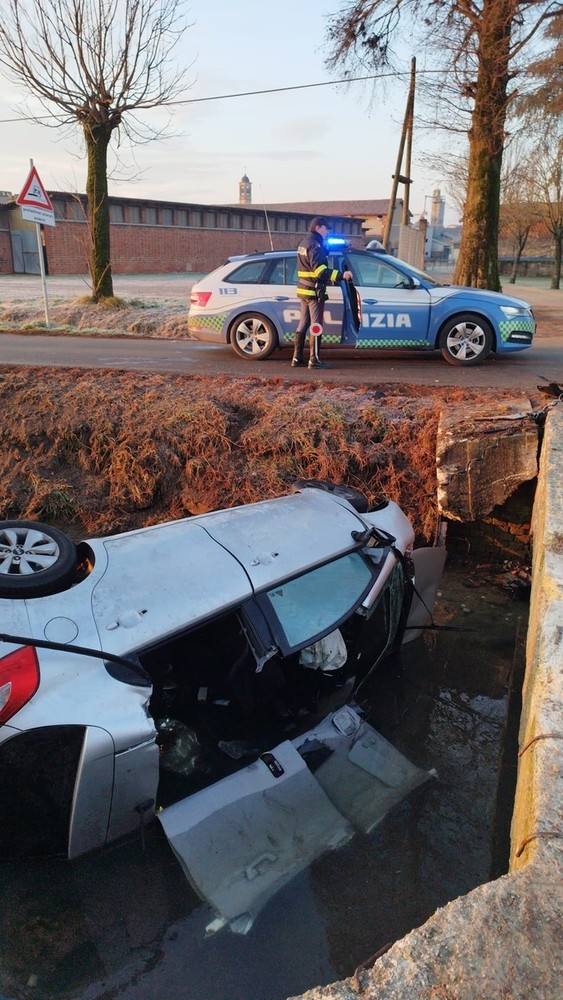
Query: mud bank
<point x="109" y="451"/>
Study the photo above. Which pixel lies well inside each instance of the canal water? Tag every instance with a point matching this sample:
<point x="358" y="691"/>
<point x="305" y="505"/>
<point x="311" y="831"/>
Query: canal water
<point x="126" y="924"/>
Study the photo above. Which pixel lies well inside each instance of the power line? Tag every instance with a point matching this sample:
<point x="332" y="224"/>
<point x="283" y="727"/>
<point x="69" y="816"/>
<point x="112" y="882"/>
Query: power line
<point x="255" y="93"/>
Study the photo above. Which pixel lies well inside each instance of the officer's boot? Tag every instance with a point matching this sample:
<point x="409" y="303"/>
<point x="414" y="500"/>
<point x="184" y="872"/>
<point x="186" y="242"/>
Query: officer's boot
<point x="298" y="345"/>
<point x="314" y="347"/>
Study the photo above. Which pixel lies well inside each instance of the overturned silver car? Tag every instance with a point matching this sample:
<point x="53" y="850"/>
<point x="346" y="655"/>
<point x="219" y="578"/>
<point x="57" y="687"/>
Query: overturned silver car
<point x="202" y="670"/>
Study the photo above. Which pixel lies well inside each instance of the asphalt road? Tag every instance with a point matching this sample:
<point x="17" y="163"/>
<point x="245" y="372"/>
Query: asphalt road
<point x="523" y="371"/>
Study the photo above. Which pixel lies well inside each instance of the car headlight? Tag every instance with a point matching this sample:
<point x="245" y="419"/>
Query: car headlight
<point x="512" y="311"/>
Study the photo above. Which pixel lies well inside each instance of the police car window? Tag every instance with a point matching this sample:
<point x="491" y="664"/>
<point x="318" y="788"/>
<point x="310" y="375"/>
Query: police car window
<point x="376" y="273"/>
<point x="291" y="270"/>
<point x="282" y="272"/>
<point x="249" y="273"/>
<point x="277" y="274"/>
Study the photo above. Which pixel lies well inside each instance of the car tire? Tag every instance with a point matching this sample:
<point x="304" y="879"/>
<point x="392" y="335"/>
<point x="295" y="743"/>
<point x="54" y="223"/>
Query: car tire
<point x="253" y="337"/>
<point x="35" y="559"/>
<point x="354" y="497"/>
<point x="466" y="339"/>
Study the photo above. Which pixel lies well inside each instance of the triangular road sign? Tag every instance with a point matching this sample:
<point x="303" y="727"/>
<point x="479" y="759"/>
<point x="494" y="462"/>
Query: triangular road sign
<point x="33" y="194"/>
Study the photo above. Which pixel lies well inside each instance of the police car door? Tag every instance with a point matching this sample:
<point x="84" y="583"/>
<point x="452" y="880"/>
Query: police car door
<point x="334" y="307"/>
<point x="394" y="312"/>
<point x="280" y="285"/>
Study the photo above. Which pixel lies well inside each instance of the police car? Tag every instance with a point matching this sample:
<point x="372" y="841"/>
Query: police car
<point x="251" y="303"/>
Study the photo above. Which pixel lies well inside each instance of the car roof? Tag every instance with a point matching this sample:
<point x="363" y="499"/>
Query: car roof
<point x="163" y="579"/>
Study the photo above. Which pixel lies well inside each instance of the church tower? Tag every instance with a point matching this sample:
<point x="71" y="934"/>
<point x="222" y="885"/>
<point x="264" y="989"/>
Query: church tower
<point x="245" y="191"/>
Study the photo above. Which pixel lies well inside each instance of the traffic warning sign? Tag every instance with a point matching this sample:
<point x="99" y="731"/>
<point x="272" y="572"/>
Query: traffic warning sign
<point x="34" y="201"/>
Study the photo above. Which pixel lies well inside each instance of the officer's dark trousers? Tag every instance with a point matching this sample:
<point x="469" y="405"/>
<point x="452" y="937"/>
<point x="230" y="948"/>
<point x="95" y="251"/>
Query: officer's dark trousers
<point x="312" y="311"/>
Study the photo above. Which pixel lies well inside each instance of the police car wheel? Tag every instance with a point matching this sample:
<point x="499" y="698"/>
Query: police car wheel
<point x="253" y="337"/>
<point x="35" y="559"/>
<point x="466" y="339"/>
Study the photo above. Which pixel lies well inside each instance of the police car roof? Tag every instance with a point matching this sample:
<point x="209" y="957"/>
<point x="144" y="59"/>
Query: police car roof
<point x="274" y="254"/>
<point x="259" y="253"/>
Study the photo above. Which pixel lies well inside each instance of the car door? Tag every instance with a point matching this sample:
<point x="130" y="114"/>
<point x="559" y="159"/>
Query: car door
<point x="303" y="610"/>
<point x="334" y="308"/>
<point x="280" y="287"/>
<point x="242" y="839"/>
<point x="395" y="313"/>
<point x="281" y="282"/>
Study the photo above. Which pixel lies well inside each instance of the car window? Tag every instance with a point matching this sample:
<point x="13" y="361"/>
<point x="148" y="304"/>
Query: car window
<point x="249" y="273"/>
<point x="316" y="602"/>
<point x="283" y="272"/>
<point x="373" y="272"/>
<point x="291" y="270"/>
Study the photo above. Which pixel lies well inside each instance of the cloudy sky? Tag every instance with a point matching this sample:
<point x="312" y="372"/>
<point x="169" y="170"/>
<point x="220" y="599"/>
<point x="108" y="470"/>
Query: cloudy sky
<point x="330" y="142"/>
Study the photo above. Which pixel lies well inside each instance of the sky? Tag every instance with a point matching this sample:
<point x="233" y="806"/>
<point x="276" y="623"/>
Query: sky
<point x="333" y="143"/>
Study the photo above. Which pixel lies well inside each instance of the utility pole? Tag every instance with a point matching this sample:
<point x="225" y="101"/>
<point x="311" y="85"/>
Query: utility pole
<point x="398" y="177"/>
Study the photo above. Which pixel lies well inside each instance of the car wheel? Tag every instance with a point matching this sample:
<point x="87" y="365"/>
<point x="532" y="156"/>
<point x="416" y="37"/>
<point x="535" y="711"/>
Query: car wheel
<point x="35" y="559"/>
<point x="354" y="497"/>
<point x="253" y="337"/>
<point x="466" y="340"/>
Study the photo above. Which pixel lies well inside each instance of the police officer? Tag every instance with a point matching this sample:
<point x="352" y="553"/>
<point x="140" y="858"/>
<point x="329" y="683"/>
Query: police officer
<point x="313" y="274"/>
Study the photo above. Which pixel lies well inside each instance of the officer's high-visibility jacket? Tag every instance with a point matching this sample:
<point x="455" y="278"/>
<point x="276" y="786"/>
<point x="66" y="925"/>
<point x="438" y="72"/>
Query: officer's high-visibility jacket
<point x="313" y="272"/>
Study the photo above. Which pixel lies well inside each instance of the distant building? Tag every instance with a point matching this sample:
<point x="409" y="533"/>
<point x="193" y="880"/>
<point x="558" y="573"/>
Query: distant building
<point x="437" y="209"/>
<point x="154" y="237"/>
<point x="372" y="212"/>
<point x="442" y="242"/>
<point x="245" y="191"/>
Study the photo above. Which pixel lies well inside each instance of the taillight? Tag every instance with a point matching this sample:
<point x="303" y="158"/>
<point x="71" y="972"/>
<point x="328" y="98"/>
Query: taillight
<point x="19" y="680"/>
<point x="200" y="298"/>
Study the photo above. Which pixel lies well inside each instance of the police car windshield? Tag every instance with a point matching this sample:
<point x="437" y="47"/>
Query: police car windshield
<point x="417" y="273"/>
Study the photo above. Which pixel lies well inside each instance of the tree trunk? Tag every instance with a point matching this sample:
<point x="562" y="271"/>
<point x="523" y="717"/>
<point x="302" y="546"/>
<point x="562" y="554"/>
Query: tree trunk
<point x="556" y="272"/>
<point x="97" y="142"/>
<point x="477" y="263"/>
<point x="520" y="244"/>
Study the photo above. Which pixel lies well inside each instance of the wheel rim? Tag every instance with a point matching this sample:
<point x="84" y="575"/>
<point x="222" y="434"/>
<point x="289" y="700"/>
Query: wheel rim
<point x="252" y="337"/>
<point x="466" y="341"/>
<point x="25" y="551"/>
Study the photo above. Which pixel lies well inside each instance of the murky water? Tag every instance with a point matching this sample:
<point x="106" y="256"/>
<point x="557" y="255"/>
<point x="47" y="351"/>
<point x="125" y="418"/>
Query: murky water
<point x="127" y="925"/>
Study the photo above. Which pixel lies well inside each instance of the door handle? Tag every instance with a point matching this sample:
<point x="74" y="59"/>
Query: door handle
<point x="369" y="302"/>
<point x="253" y="869"/>
<point x="281" y="298"/>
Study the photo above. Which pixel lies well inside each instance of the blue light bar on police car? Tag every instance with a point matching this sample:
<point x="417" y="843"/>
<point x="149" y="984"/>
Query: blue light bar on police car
<point x="336" y="241"/>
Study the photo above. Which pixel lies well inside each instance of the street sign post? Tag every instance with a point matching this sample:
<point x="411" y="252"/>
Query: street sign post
<point x="36" y="206"/>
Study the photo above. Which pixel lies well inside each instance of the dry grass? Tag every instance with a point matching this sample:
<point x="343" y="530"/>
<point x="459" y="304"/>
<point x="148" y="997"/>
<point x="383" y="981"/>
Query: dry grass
<point x="115" y="450"/>
<point x="109" y="317"/>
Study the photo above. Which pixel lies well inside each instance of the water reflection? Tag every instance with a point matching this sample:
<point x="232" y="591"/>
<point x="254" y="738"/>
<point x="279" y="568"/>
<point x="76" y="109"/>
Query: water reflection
<point x="127" y="924"/>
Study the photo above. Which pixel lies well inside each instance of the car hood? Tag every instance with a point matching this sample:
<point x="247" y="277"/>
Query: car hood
<point x="477" y="295"/>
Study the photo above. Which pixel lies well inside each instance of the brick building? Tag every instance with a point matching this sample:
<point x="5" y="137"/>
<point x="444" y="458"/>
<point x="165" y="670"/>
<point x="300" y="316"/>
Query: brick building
<point x="156" y="237"/>
<point x="371" y="212"/>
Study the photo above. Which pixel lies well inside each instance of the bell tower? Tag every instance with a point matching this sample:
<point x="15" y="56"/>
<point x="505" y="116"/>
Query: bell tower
<point x="245" y="191"/>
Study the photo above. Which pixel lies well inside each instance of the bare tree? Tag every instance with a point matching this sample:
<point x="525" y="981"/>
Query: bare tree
<point x="478" y="48"/>
<point x="518" y="209"/>
<point x="95" y="64"/>
<point x="544" y="93"/>
<point x="546" y="177"/>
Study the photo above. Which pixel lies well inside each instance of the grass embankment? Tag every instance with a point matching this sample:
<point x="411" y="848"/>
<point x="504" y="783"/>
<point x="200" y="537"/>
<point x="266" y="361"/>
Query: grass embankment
<point x="109" y="451"/>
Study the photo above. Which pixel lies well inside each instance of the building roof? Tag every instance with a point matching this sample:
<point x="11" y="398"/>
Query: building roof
<point x="361" y="208"/>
